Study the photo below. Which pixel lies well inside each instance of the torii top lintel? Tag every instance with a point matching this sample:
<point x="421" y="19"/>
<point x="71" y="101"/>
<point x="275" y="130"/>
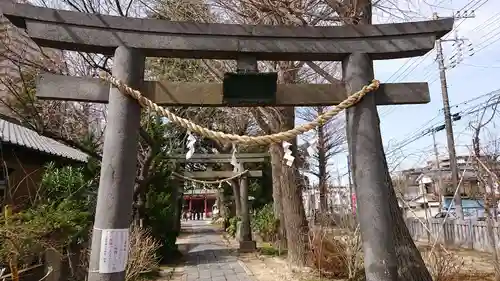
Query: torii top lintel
<point x="95" y="33"/>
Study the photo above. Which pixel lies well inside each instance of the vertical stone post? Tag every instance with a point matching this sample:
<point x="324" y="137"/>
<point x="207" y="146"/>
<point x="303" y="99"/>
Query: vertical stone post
<point x="369" y="174"/>
<point x="246" y="242"/>
<point x="245" y="64"/>
<point x="118" y="170"/>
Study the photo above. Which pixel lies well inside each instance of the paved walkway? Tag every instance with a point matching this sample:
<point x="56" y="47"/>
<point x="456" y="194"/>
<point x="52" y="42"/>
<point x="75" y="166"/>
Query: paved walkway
<point x="208" y="258"/>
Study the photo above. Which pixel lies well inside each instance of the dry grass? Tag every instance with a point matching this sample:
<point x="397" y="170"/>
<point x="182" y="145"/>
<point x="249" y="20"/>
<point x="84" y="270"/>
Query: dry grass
<point x="142" y="254"/>
<point x="335" y="253"/>
<point x="452" y="265"/>
<point x="335" y="256"/>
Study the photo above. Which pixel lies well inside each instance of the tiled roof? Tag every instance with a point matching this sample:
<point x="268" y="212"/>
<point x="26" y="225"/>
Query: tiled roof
<point x="22" y="136"/>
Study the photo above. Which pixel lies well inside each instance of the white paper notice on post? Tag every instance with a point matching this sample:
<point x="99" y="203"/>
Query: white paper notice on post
<point x="114" y="250"/>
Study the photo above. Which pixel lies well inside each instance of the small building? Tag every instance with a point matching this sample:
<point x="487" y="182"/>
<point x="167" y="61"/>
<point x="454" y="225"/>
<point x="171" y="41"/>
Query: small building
<point x="24" y="153"/>
<point x="434" y="182"/>
<point x="200" y="201"/>
<point x="435" y="178"/>
<point x="469" y="186"/>
<point x="204" y="201"/>
<point x="412" y="182"/>
<point x="422" y="206"/>
<point x="420" y="198"/>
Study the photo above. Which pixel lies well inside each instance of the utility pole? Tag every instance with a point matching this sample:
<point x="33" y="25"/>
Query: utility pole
<point x="433" y="131"/>
<point x="448" y="123"/>
<point x="438" y="166"/>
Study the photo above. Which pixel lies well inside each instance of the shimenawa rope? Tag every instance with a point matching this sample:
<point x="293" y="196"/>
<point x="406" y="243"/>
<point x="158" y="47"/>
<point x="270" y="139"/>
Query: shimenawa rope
<point x="237" y="139"/>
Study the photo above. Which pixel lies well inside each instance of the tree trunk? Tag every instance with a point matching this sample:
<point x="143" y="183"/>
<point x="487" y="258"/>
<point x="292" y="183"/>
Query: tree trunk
<point x="322" y="164"/>
<point x="296" y="224"/>
<point x="276" y="160"/>
<point x="411" y="266"/>
<point x="177" y="203"/>
<point x="288" y="191"/>
<point x="293" y="208"/>
<point x="141" y="206"/>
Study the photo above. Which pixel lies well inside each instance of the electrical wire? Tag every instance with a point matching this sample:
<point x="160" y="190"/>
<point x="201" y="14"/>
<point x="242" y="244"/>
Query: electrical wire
<point x="468" y="6"/>
<point x="463" y="113"/>
<point x="472" y="5"/>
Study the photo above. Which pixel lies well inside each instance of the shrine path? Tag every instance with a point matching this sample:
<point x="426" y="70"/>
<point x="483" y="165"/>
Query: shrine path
<point x="208" y="258"/>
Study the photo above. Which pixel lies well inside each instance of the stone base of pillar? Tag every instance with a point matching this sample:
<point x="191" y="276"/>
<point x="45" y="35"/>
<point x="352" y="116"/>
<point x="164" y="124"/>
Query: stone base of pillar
<point x="247" y="246"/>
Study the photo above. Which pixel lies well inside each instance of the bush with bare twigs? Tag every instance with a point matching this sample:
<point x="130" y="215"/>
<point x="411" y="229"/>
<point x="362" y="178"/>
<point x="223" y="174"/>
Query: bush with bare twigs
<point x="444" y="265"/>
<point x="335" y="256"/>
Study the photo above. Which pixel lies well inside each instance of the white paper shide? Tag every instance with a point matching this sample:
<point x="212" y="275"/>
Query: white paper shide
<point x="114" y="250"/>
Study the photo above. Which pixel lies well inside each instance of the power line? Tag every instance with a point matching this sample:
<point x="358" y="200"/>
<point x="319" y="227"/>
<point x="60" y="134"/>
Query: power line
<point x="412" y="64"/>
<point x="463" y="13"/>
<point x="466" y="12"/>
<point x="463" y="113"/>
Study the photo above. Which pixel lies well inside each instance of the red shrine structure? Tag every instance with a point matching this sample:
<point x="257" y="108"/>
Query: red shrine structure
<point x="200" y="201"/>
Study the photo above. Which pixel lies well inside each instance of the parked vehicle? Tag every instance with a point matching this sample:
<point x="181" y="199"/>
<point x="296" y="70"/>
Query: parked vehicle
<point x="467" y="215"/>
<point x="442" y="215"/>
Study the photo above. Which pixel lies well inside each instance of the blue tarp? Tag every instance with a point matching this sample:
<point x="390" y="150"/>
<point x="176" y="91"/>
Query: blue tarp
<point x="469" y="206"/>
<point x="466" y="203"/>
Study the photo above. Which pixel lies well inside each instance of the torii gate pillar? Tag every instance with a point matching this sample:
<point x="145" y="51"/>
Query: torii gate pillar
<point x="366" y="156"/>
<point x="118" y="167"/>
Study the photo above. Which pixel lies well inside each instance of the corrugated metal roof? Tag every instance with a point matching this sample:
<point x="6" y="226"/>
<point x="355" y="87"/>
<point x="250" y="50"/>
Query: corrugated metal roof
<point x="22" y="136"/>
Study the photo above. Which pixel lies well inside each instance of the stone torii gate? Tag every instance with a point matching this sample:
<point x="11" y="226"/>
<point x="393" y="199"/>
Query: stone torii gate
<point x="244" y="230"/>
<point x="130" y="40"/>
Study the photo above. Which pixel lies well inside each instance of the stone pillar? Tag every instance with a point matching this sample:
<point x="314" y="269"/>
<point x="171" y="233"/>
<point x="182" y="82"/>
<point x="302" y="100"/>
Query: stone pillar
<point x="369" y="174"/>
<point x="246" y="243"/>
<point x="118" y="168"/>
